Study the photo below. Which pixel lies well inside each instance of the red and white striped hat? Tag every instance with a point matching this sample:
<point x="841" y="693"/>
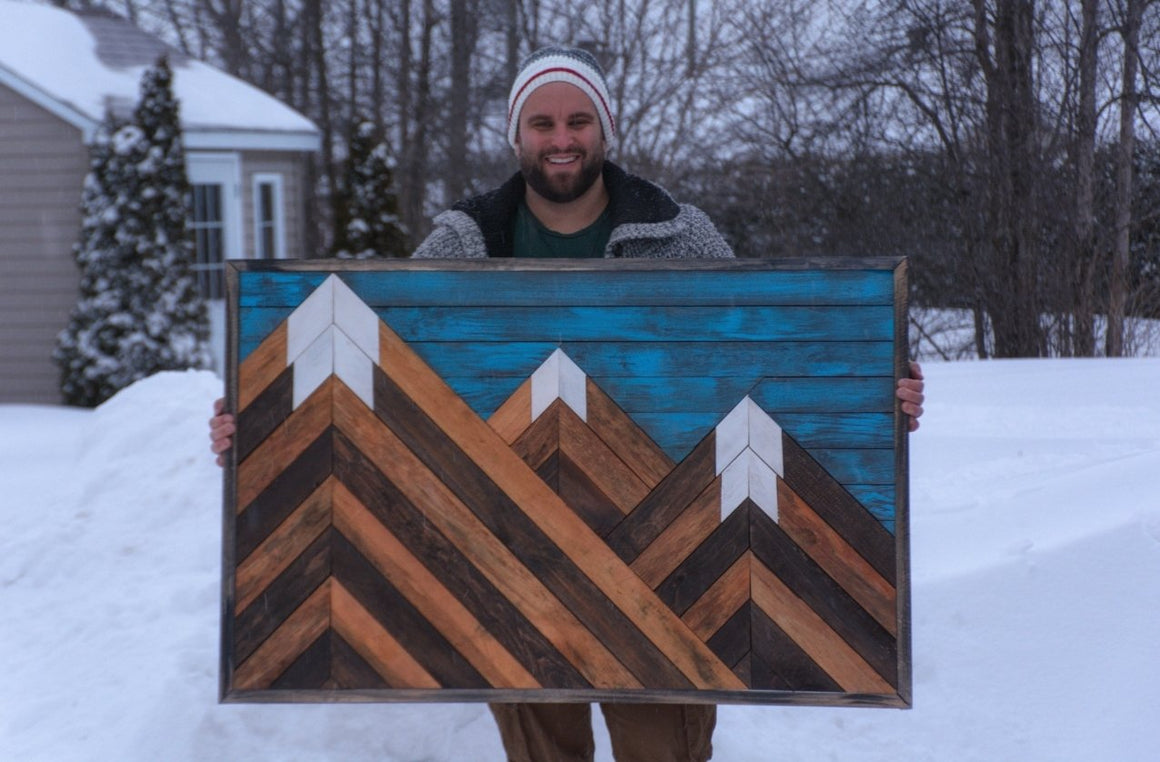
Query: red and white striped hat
<point x="558" y="64"/>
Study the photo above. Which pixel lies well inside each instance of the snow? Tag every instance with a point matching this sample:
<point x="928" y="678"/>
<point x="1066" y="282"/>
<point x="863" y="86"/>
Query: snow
<point x="1035" y="538"/>
<point x="52" y="50"/>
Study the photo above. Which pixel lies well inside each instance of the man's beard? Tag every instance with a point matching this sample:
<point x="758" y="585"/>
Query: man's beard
<point x="563" y="188"/>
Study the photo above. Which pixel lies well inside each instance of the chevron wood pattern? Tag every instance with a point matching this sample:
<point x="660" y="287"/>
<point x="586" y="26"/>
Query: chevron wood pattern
<point x="386" y="539"/>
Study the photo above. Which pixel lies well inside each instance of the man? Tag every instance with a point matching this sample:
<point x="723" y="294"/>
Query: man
<point x="568" y="200"/>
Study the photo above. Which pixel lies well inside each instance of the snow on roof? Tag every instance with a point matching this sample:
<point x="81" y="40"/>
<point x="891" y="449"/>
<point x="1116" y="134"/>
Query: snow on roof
<point x="79" y="66"/>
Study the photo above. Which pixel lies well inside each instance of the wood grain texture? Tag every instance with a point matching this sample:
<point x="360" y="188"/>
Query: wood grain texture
<point x="417" y="535"/>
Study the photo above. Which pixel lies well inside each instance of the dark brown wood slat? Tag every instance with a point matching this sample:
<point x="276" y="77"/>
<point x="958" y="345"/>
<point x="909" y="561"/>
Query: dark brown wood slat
<point x="732" y="641"/>
<point x="585" y="498"/>
<point x="284" y="595"/>
<point x="666" y="502"/>
<point x="541" y="439"/>
<point x="785" y="666"/>
<point x="284" y="494"/>
<point x="847" y="567"/>
<point x="266" y="413"/>
<point x="839" y="509"/>
<point x="744" y="668"/>
<point x="773" y="548"/>
<point x="293" y="636"/>
<point x="283" y="545"/>
<point x="686" y="532"/>
<point x="601" y="461"/>
<point x="503" y="620"/>
<point x="349" y="670"/>
<point x="312" y="668"/>
<point x="712" y="558"/>
<point x="397" y="616"/>
<point x="634" y="446"/>
<point x="504" y="518"/>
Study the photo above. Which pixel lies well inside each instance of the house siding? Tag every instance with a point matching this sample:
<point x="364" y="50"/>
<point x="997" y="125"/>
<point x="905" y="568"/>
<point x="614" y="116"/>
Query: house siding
<point x="292" y="168"/>
<point x="42" y="168"/>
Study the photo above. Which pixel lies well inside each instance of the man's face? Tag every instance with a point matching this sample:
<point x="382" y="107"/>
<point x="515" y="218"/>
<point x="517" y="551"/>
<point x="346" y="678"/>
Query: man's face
<point x="560" y="143"/>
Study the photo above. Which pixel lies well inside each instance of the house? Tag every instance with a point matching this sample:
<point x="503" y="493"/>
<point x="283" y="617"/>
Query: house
<point x="60" y="72"/>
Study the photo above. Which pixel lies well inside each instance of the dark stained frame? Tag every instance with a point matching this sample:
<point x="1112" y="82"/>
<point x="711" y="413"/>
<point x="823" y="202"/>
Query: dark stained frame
<point x="704" y="498"/>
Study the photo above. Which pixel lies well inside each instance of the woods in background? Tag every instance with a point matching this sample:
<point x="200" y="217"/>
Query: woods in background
<point x="1005" y="146"/>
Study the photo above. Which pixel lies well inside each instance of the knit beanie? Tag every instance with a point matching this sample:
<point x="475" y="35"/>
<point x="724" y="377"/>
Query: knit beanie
<point x="558" y="64"/>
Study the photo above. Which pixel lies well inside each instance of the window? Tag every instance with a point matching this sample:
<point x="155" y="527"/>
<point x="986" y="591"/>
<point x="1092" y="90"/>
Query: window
<point x="208" y="225"/>
<point x="269" y="234"/>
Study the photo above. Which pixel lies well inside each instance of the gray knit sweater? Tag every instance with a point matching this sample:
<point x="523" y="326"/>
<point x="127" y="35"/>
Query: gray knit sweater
<point x="646" y="222"/>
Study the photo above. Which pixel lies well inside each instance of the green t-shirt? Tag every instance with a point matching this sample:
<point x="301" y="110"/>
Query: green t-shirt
<point x="532" y="239"/>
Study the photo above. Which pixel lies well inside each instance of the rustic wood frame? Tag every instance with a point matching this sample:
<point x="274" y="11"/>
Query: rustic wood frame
<point x="341" y="584"/>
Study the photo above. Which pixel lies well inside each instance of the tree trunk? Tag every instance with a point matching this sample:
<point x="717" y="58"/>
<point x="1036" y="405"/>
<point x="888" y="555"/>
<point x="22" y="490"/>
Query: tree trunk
<point x="1083" y="264"/>
<point x="1129" y="101"/>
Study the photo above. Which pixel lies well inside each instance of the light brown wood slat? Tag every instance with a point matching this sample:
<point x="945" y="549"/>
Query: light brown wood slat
<point x="637" y="448"/>
<point x="828" y="650"/>
<point x="262" y="366"/>
<point x="600" y="461"/>
<point x="285" y="544"/>
<point x="437" y="604"/>
<point x="586" y="549"/>
<point x="380" y="649"/>
<point x="683" y="535"/>
<point x="464" y="530"/>
<point x="836" y="557"/>
<point x="514" y="416"/>
<point x="308" y="623"/>
<point x="284" y="444"/>
<point x="728" y="594"/>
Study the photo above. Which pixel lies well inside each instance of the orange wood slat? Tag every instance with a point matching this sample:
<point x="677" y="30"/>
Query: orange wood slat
<point x="728" y="594"/>
<point x="380" y="649"/>
<point x="262" y="366"/>
<point x="682" y="536"/>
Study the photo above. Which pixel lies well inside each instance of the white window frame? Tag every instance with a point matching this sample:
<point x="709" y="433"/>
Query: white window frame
<point x="275" y="181"/>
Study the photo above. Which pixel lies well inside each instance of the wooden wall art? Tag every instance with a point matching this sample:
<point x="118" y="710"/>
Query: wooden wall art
<point x="567" y="481"/>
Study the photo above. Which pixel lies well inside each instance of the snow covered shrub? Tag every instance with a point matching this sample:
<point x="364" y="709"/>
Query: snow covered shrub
<point x="139" y="311"/>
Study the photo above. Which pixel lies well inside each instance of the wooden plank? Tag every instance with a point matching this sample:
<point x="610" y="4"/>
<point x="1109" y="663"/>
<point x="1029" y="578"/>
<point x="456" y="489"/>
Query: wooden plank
<point x="311" y="670"/>
<point x="395" y="614"/>
<point x="601" y="461"/>
<point x="839" y="509"/>
<point x="264" y="364"/>
<point x="682" y="536"/>
<point x="705" y="565"/>
<point x="731" y="642"/>
<point x="429" y="597"/>
<point x="721" y="601"/>
<point x="504" y="517"/>
<point x="283" y="545"/>
<point x="585" y="497"/>
<point x="541" y="439"/>
<point x="264" y="414"/>
<point x="593" y="557"/>
<point x="373" y="643"/>
<point x="349" y="670"/>
<point x="453" y="569"/>
<point x="809" y="631"/>
<point x="670" y="323"/>
<point x="447" y="513"/>
<point x="515" y="415"/>
<point x="778" y="553"/>
<point x="285" y="493"/>
<point x="308" y="622"/>
<point x="784" y="664"/>
<point x="274" y="455"/>
<point x="637" y="450"/>
<point x="269" y="610"/>
<point x="666" y="501"/>
<point x="827" y="548"/>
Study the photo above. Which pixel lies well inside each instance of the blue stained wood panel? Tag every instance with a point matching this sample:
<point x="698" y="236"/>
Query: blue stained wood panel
<point x="563" y="288"/>
<point x="652" y="324"/>
<point x="676" y="350"/>
<point x="752" y="359"/>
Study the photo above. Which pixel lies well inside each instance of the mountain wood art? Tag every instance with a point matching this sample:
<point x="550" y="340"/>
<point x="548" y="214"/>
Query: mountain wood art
<point x="567" y="481"/>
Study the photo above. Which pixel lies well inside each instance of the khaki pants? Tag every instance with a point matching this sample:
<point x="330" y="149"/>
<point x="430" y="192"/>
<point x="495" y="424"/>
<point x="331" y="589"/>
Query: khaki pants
<point x="639" y="732"/>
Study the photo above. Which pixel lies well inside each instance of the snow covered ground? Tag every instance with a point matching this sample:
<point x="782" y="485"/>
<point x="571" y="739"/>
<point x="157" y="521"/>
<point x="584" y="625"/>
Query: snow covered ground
<point x="1035" y="502"/>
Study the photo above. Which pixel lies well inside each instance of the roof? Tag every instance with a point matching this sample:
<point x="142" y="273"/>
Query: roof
<point x="95" y="62"/>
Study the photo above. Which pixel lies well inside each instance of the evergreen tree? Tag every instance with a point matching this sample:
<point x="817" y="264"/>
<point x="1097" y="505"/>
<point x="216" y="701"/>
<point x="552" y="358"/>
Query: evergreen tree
<point x="138" y="311"/>
<point x="367" y="218"/>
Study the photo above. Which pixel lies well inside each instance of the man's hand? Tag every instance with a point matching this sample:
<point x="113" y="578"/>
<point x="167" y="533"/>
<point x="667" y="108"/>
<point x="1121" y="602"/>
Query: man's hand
<point x="910" y="391"/>
<point x="221" y="428"/>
